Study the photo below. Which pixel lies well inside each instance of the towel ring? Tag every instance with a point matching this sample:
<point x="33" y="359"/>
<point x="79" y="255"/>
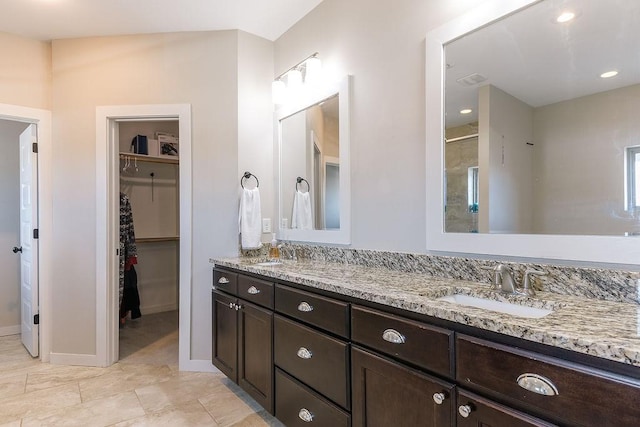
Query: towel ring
<point x="299" y="180"/>
<point x="248" y="175"/>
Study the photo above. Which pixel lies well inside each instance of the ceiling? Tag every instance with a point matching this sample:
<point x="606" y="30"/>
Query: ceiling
<point x="61" y="19"/>
<point x="540" y="61"/>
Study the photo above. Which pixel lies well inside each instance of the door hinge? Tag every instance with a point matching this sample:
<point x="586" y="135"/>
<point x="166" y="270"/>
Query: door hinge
<point x="36" y="234"/>
<point x="35" y="147"/>
<point x="36" y="319"/>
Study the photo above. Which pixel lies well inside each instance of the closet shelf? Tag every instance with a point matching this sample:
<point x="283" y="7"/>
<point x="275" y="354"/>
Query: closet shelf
<point x="157" y="239"/>
<point x="149" y="159"/>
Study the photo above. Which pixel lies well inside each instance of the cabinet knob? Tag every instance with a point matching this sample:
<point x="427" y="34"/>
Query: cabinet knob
<point x="231" y="305"/>
<point x="304" y="353"/>
<point x="223" y="280"/>
<point x="238" y="306"/>
<point x="305" y="307"/>
<point x="253" y="290"/>
<point x="465" y="410"/>
<point x="537" y="384"/>
<point x="439" y="398"/>
<point x="393" y="336"/>
<point x="305" y="415"/>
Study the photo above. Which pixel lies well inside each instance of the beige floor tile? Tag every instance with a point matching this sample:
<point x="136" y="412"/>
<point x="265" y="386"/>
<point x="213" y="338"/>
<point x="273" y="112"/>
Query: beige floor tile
<point x="123" y="378"/>
<point x="58" y="375"/>
<point x="101" y="412"/>
<point x="12" y="385"/>
<point x="12" y="424"/>
<point x="39" y="402"/>
<point x="183" y="388"/>
<point x="260" y="419"/>
<point x="189" y="415"/>
<point x="226" y="407"/>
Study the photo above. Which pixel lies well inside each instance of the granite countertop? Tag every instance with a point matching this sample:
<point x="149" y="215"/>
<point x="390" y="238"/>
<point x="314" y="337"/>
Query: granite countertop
<point x="610" y="330"/>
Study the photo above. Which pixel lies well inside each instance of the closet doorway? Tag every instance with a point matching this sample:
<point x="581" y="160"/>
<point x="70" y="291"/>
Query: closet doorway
<point x="147" y="187"/>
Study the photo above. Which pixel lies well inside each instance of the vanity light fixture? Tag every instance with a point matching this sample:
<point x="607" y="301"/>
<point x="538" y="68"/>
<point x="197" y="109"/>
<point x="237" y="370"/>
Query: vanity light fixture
<point x="466" y="111"/>
<point x="609" y="74"/>
<point x="565" y="17"/>
<point x="305" y="73"/>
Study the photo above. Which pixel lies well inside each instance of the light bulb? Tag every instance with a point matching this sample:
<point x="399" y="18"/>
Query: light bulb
<point x="294" y="79"/>
<point x="313" y="70"/>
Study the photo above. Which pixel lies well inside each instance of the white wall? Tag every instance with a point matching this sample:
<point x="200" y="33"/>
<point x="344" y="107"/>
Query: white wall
<point x="10" y="225"/>
<point x="381" y="43"/>
<point x="198" y="68"/>
<point x="578" y="190"/>
<point x="505" y="162"/>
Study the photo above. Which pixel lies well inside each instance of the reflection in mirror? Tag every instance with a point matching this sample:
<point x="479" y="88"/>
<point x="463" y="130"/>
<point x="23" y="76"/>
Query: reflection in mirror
<point x="313" y="170"/>
<point x="310" y="167"/>
<point x="537" y="140"/>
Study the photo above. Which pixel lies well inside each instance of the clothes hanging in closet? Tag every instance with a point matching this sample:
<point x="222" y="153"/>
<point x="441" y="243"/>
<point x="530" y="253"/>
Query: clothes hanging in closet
<point x="128" y="249"/>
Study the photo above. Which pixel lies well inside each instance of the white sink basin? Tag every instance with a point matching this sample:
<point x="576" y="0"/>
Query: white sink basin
<point x="499" y="306"/>
<point x="268" y="263"/>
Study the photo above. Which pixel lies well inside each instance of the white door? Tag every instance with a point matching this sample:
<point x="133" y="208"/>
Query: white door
<point x="28" y="242"/>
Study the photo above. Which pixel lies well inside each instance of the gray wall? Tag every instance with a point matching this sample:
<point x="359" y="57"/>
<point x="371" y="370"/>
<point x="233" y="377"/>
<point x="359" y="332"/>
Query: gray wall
<point x="381" y="43"/>
<point x="9" y="225"/>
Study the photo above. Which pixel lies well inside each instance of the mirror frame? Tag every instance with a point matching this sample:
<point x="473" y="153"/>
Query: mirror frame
<point x="601" y="249"/>
<point x="306" y="100"/>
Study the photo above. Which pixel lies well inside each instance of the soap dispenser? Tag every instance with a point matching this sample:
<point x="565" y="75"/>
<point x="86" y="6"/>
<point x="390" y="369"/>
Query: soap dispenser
<point x="274" y="252"/>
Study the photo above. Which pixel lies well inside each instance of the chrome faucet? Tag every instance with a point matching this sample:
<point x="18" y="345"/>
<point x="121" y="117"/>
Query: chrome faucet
<point x="504" y="282"/>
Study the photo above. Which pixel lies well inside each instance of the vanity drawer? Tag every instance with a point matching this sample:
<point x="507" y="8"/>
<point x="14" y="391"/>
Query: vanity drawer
<point x="422" y="345"/>
<point x="318" y="360"/>
<point x="296" y="405"/>
<point x="325" y="313"/>
<point x="255" y="290"/>
<point x="225" y="281"/>
<point x="585" y="396"/>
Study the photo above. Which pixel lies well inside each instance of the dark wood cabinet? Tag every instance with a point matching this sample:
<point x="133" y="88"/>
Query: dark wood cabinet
<point x="242" y="341"/>
<point x="255" y="353"/>
<point x="476" y="411"/>
<point x="225" y="334"/>
<point x="386" y="393"/>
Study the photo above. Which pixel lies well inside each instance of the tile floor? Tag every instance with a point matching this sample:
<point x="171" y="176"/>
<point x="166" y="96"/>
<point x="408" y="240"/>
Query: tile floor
<point x="143" y="389"/>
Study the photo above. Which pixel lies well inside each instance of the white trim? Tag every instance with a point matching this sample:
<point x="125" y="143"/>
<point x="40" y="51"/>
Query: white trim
<point x="601" y="249"/>
<point x="42" y="118"/>
<point x="9" y="330"/>
<point x="199" y="366"/>
<point x="73" y="359"/>
<point x="342" y="236"/>
<point x="106" y="234"/>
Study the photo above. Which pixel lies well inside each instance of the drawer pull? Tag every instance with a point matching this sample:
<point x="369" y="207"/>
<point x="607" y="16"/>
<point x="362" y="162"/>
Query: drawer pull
<point x="305" y="415"/>
<point x="465" y="410"/>
<point x="305" y="307"/>
<point x="223" y="280"/>
<point x="253" y="290"/>
<point x="303" y="353"/>
<point x="439" y="398"/>
<point x="393" y="336"/>
<point x="537" y="384"/>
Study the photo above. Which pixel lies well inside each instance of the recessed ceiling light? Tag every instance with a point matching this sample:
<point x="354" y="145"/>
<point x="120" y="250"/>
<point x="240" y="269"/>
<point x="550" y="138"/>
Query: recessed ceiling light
<point x="609" y="74"/>
<point x="565" y="17"/>
<point x="466" y="111"/>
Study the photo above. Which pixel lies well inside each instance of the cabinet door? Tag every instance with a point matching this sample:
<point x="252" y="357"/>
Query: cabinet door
<point x="475" y="411"/>
<point x="225" y="334"/>
<point x="386" y="393"/>
<point x="255" y="353"/>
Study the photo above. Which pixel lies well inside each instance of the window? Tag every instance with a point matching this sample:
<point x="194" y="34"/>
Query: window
<point x="632" y="184"/>
<point x="472" y="188"/>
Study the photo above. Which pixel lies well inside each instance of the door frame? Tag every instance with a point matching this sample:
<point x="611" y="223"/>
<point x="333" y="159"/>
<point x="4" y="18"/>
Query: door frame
<point x="42" y="119"/>
<point x="107" y="229"/>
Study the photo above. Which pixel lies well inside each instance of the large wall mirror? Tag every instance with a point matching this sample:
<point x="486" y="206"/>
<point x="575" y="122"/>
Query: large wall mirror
<point x="533" y="139"/>
<point x="313" y="167"/>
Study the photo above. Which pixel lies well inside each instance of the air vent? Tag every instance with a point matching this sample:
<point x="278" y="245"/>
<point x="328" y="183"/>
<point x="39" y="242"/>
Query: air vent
<point x="471" y="79"/>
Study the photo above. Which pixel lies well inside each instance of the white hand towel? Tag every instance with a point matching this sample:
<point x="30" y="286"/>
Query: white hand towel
<point x="301" y="217"/>
<point x="249" y="219"/>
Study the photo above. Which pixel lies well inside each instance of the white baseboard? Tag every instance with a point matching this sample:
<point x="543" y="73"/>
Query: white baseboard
<point x="158" y="308"/>
<point x="73" y="359"/>
<point x="9" y="330"/>
<point x="198" y="366"/>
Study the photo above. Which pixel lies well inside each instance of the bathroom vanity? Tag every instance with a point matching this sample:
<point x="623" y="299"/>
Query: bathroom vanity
<point x="332" y="344"/>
